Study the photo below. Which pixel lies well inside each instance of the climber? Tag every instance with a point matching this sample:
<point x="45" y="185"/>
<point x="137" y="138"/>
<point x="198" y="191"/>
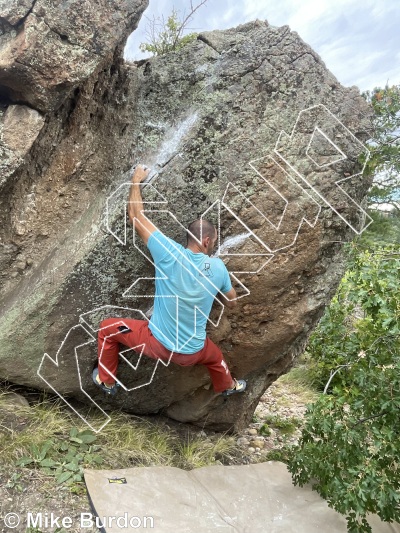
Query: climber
<point x="187" y="280"/>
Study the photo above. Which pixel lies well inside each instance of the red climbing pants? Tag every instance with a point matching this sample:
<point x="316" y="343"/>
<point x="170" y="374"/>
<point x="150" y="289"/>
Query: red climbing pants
<point x="134" y="333"/>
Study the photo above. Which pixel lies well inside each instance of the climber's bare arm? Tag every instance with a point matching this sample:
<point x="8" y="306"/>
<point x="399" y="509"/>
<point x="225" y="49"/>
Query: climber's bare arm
<point x="229" y="299"/>
<point x="142" y="225"/>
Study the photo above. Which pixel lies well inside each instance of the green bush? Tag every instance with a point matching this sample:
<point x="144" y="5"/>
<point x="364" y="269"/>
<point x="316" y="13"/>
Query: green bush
<point x="350" y="443"/>
<point x="363" y="316"/>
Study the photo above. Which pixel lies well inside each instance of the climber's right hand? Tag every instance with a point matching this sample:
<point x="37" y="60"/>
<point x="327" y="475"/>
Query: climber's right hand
<point x="140" y="173"/>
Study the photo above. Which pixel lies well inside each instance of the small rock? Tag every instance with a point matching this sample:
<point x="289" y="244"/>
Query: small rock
<point x="242" y="441"/>
<point x="251" y="449"/>
<point x="20" y="228"/>
<point x="21" y="265"/>
<point x="258" y="443"/>
<point x="252" y="431"/>
<point x="12" y="398"/>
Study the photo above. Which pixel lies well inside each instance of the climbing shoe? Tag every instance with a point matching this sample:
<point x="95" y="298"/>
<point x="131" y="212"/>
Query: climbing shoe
<point x="240" y="386"/>
<point x="108" y="389"/>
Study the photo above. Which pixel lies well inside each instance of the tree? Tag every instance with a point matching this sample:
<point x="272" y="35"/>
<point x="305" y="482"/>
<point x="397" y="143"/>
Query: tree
<point x="165" y="36"/>
<point x="350" y="444"/>
<point x="384" y="229"/>
<point x="384" y="146"/>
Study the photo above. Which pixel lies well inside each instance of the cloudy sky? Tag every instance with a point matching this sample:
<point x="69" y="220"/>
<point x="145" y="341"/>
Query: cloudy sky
<point x="359" y="40"/>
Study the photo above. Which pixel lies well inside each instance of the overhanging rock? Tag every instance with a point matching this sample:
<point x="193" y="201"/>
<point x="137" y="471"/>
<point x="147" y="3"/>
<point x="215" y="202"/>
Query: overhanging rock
<point x="245" y="126"/>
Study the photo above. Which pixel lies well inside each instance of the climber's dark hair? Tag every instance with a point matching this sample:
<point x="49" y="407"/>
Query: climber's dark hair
<point x="200" y="228"/>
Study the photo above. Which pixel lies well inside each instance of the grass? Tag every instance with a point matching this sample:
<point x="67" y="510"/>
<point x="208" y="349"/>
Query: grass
<point x="300" y="380"/>
<point x="34" y="427"/>
<point x="135" y="442"/>
<point x="279" y="454"/>
<point x="196" y="453"/>
<point x="124" y="442"/>
<point x="286" y="426"/>
<point x="45" y="439"/>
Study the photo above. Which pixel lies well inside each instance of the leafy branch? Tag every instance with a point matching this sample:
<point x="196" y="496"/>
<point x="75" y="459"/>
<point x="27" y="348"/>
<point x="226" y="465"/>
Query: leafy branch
<point x="350" y="442"/>
<point x="167" y="35"/>
<point x="384" y="146"/>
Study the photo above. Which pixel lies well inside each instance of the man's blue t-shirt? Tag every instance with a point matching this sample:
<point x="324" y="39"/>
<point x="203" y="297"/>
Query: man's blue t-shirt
<point x="186" y="280"/>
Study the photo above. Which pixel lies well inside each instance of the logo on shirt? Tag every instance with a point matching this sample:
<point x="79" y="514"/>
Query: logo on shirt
<point x="206" y="270"/>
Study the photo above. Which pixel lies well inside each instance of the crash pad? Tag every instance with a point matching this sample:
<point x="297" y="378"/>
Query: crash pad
<point x="256" y="498"/>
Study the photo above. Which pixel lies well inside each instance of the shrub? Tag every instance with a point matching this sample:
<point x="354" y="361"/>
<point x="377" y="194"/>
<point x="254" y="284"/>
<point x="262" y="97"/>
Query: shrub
<point x="350" y="443"/>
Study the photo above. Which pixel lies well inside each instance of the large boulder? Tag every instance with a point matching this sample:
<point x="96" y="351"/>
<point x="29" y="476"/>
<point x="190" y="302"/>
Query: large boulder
<point x="246" y="127"/>
<point x="50" y="46"/>
<point x="48" y="52"/>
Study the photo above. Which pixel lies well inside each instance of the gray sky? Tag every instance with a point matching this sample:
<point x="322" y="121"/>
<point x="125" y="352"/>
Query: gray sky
<point x="359" y="40"/>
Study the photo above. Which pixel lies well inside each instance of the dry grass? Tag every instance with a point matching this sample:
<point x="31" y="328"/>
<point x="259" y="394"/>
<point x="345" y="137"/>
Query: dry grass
<point x="29" y="426"/>
<point x="195" y="453"/>
<point x="124" y="442"/>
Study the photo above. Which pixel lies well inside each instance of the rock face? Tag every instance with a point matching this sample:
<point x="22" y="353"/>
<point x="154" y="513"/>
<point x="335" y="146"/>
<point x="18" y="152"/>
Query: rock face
<point x="48" y="46"/>
<point x="245" y="126"/>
